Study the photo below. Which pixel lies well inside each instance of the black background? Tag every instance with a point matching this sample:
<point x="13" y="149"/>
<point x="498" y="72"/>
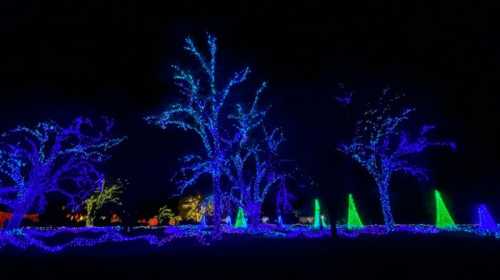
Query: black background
<point x="60" y="59"/>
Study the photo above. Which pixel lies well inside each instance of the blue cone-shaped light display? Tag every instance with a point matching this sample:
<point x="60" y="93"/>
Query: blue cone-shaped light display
<point x="486" y="221"/>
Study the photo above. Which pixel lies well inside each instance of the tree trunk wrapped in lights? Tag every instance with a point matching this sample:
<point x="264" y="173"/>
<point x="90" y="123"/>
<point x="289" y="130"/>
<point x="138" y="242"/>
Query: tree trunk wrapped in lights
<point x="383" y="148"/>
<point x="255" y="167"/>
<point x="50" y="158"/>
<point x="203" y="112"/>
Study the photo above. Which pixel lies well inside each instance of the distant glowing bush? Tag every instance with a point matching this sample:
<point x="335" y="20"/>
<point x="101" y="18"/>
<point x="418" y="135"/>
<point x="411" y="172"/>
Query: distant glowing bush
<point x="190" y="208"/>
<point x="106" y="195"/>
<point x="165" y="214"/>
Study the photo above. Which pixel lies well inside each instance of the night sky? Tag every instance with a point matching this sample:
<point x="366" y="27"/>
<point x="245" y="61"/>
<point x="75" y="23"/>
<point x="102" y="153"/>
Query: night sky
<point x="62" y="59"/>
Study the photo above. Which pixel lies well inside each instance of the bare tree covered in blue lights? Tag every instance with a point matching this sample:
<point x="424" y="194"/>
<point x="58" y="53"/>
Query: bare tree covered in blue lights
<point x="49" y="158"/>
<point x="383" y="148"/>
<point x="254" y="165"/>
<point x="202" y="112"/>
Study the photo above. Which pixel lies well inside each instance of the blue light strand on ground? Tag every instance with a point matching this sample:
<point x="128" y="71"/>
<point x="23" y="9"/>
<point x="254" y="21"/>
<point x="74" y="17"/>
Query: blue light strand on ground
<point x="43" y="238"/>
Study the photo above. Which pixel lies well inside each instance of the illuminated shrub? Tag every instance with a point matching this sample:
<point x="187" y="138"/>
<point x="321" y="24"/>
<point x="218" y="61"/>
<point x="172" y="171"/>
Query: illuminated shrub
<point x="106" y="195"/>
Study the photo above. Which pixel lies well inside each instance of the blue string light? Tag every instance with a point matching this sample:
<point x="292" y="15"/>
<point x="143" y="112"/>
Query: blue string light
<point x="48" y="239"/>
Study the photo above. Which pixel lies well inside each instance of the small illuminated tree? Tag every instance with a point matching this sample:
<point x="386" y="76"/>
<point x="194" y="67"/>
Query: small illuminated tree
<point x="382" y="147"/>
<point x="165" y="214"/>
<point x="50" y="158"/>
<point x="253" y="173"/>
<point x="105" y="195"/>
<point x="202" y="112"/>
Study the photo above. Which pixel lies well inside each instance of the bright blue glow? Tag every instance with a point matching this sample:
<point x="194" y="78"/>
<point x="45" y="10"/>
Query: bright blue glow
<point x="229" y="221"/>
<point x="237" y="147"/>
<point x="383" y="148"/>
<point x="201" y="112"/>
<point x="280" y="221"/>
<point x="486" y="221"/>
<point x="50" y="158"/>
<point x="253" y="168"/>
<point x="43" y="238"/>
<point x="203" y="221"/>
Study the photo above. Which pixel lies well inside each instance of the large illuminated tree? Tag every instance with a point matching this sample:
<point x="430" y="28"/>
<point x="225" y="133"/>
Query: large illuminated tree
<point x="202" y="111"/>
<point x="254" y="165"/>
<point x="49" y="158"/>
<point x="383" y="148"/>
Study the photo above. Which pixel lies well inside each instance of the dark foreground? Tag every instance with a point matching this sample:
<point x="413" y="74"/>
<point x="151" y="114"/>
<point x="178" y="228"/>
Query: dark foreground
<point x="389" y="257"/>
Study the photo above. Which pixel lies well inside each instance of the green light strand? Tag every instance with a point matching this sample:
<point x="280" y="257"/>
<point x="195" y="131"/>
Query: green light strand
<point x="443" y="217"/>
<point x="353" y="219"/>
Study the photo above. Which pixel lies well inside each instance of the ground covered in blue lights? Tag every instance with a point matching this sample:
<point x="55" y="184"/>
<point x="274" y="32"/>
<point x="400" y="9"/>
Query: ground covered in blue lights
<point x="54" y="240"/>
